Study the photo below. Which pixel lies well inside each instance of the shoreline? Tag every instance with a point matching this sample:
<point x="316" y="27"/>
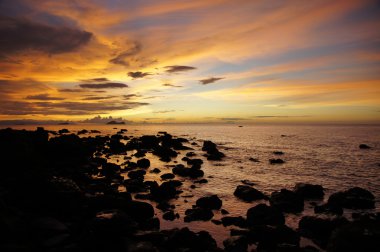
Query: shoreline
<point x="72" y="190"/>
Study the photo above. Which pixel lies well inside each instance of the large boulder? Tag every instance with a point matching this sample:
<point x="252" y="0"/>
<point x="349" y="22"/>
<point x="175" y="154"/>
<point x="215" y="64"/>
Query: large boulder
<point x="211" y="202"/>
<point x="263" y="214"/>
<point x="309" y="191"/>
<point x="198" y="214"/>
<point x="354" y="198"/>
<point x="287" y="201"/>
<point x="248" y="193"/>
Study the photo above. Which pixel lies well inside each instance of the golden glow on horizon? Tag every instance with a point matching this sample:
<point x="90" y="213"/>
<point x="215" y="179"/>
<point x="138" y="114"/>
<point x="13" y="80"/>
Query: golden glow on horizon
<point x="259" y="61"/>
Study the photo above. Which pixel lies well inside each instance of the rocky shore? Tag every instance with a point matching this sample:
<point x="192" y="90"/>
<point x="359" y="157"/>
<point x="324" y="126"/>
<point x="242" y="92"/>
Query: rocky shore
<point x="60" y="191"/>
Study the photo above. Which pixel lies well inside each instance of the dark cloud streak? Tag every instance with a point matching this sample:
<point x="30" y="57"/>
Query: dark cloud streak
<point x="176" y="68"/>
<point x="103" y="85"/>
<point x="210" y="80"/>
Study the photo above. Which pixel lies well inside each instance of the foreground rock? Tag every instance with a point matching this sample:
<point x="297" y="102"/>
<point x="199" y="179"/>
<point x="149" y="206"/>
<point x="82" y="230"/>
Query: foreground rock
<point x="264" y="215"/>
<point x="309" y="191"/>
<point x="287" y="201"/>
<point x="248" y="193"/>
<point x="212" y="202"/>
<point x="212" y="152"/>
<point x="354" y="198"/>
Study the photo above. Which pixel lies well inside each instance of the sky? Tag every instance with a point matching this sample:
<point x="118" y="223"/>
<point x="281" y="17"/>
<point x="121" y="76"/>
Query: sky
<point x="169" y="61"/>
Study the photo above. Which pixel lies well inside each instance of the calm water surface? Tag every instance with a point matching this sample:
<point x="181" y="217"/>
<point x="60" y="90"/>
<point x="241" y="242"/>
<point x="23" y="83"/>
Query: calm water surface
<point x="326" y="155"/>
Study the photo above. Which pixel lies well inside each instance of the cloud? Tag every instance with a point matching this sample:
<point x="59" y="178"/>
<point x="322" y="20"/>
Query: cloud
<point x="130" y="96"/>
<point x="163" y="111"/>
<point x="232" y="118"/>
<point x="43" y="97"/>
<point x="124" y="57"/>
<point x="104" y="85"/>
<point x="138" y="74"/>
<point x="70" y="90"/>
<point x="176" y="68"/>
<point x="171" y="85"/>
<point x="210" y="80"/>
<point x="21" y="34"/>
<point x="103" y="120"/>
<point x="101" y="79"/>
<point x="95" y="98"/>
<point x="279" y="116"/>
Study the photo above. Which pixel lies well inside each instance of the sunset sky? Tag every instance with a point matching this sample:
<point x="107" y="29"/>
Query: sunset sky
<point x="237" y="61"/>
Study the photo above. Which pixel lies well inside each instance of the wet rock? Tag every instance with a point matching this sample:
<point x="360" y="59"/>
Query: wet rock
<point x="140" y="153"/>
<point x="180" y="170"/>
<point x="109" y="169"/>
<point x="135" y="185"/>
<point x="81" y="132"/>
<point x="364" y="146"/>
<point x="190" y="154"/>
<point x="329" y="209"/>
<point x="287" y="201"/>
<point x="63" y="131"/>
<point x="254" y="160"/>
<point x="139" y="210"/>
<point x="224" y="211"/>
<point x="186" y="240"/>
<point x="236" y="244"/>
<point x="95" y="131"/>
<point x="354" y="198"/>
<point x="236" y="221"/>
<point x="211" y="202"/>
<point x="138" y="174"/>
<point x="201" y="181"/>
<point x="164" y="153"/>
<point x="276" y="161"/>
<point x="248" y="193"/>
<point x="309" y="191"/>
<point x="165" y="191"/>
<point x="355" y="236"/>
<point x="143" y="163"/>
<point x="198" y="214"/>
<point x="319" y="230"/>
<point x="148" y="142"/>
<point x="212" y="152"/>
<point x="115" y="146"/>
<point x="264" y="215"/>
<point x="278" y="153"/>
<point x="167" y="176"/>
<point x="217" y="222"/>
<point x="156" y="170"/>
<point x="170" y="216"/>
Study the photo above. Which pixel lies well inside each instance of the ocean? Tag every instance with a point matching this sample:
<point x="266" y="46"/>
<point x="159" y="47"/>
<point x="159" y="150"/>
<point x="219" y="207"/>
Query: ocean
<point x="328" y="155"/>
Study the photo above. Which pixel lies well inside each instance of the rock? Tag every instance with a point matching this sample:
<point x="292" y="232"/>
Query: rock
<point x="354" y="198"/>
<point x="355" y="236"/>
<point x="236" y="244"/>
<point x="364" y="146"/>
<point x="278" y="153"/>
<point x="165" y="191"/>
<point x="276" y="161"/>
<point x="212" y="151"/>
<point x="142" y="246"/>
<point x="63" y="131"/>
<point x="170" y="216"/>
<point x="264" y="215"/>
<point x="190" y="154"/>
<point x="198" y="214"/>
<point x="309" y="191"/>
<point x="148" y="142"/>
<point x="113" y="222"/>
<point x="186" y="240"/>
<point x="224" y="211"/>
<point x="201" y="181"/>
<point x="167" y="176"/>
<point x="254" y="160"/>
<point x="248" y="193"/>
<point x="287" y="201"/>
<point x="138" y="174"/>
<point x="109" y="169"/>
<point x="247" y="182"/>
<point x="211" y="202"/>
<point x="319" y="230"/>
<point x="143" y="163"/>
<point x="81" y="132"/>
<point x="236" y="221"/>
<point x="139" y="210"/>
<point x="180" y="170"/>
<point x="328" y="208"/>
<point x="217" y="222"/>
<point x="156" y="170"/>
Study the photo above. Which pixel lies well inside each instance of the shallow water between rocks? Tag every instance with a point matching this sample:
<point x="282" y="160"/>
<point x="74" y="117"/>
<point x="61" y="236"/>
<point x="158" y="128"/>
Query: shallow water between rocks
<point x="318" y="154"/>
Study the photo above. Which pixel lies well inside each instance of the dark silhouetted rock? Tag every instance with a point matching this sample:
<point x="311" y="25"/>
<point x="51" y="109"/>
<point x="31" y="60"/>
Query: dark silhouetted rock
<point x="319" y="230"/>
<point x="287" y="201"/>
<point x="212" y="152"/>
<point x="63" y="131"/>
<point x="81" y="132"/>
<point x="236" y="221"/>
<point x="198" y="214"/>
<point x="236" y="244"/>
<point x="276" y="161"/>
<point x="139" y="210"/>
<point x="354" y="198"/>
<point x="143" y="163"/>
<point x="114" y="123"/>
<point x="309" y="191"/>
<point x="186" y="240"/>
<point x="167" y="176"/>
<point x="170" y="216"/>
<point x="248" y="193"/>
<point x="254" y="160"/>
<point x="264" y="215"/>
<point x="156" y="170"/>
<point x="165" y="191"/>
<point x="278" y="153"/>
<point x="364" y="146"/>
<point x="212" y="202"/>
<point x="355" y="236"/>
<point x="328" y="209"/>
<point x="138" y="174"/>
